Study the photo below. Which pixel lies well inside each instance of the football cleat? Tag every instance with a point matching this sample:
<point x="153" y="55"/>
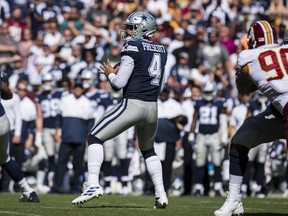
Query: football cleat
<point x="43" y="189"/>
<point x="89" y="193"/>
<point x="232" y="206"/>
<point x="107" y="191"/>
<point x="29" y="197"/>
<point x="197" y="193"/>
<point x="219" y="193"/>
<point x="161" y="202"/>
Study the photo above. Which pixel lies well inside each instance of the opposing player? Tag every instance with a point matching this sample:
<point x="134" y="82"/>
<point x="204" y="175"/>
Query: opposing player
<point x="13" y="169"/>
<point x="140" y="74"/>
<point x="264" y="67"/>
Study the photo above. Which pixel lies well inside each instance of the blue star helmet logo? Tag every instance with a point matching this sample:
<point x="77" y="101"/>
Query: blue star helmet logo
<point x="144" y="17"/>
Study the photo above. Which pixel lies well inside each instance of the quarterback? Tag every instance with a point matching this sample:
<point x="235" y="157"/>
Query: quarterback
<point x="140" y="74"/>
<point x="263" y="66"/>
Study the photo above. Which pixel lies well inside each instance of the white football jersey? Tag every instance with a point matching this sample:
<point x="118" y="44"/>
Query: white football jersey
<point x="268" y="69"/>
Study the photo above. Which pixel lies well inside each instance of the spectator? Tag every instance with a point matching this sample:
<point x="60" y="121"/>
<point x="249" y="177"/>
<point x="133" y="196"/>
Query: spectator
<point x="190" y="46"/>
<point x="16" y="24"/>
<point x="76" y="62"/>
<point x="72" y="22"/>
<point x="213" y="53"/>
<point x="18" y="74"/>
<point x="65" y="45"/>
<point x="177" y="42"/>
<point x="4" y="10"/>
<point x="7" y="43"/>
<point x="171" y="60"/>
<point x="52" y="36"/>
<point x="226" y="40"/>
<point x="24" y="45"/>
<point x="181" y="72"/>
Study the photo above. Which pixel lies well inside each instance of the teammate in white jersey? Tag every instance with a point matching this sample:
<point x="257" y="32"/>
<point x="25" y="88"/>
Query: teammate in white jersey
<point x="265" y="67"/>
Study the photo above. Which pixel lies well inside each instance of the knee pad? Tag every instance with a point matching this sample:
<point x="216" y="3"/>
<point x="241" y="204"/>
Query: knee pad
<point x="93" y="140"/>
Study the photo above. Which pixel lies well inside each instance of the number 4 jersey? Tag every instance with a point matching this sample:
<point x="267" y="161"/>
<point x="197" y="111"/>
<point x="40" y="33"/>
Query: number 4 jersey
<point x="268" y="69"/>
<point x="149" y="62"/>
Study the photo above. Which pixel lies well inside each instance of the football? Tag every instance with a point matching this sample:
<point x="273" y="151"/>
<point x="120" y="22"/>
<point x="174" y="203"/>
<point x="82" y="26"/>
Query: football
<point x="116" y="65"/>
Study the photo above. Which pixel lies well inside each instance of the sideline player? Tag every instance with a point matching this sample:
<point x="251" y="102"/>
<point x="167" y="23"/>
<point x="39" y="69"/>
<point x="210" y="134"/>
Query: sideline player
<point x="264" y="67"/>
<point x="13" y="169"/>
<point x="140" y="74"/>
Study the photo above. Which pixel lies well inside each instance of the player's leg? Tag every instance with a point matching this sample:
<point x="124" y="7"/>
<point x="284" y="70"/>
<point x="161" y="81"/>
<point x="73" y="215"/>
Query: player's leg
<point x="13" y="169"/>
<point x="200" y="149"/>
<point x="116" y="120"/>
<point x="78" y="168"/>
<point x="260" y="173"/>
<point x="265" y="127"/>
<point x="217" y="158"/>
<point x="245" y="190"/>
<point x="146" y="133"/>
<point x="65" y="152"/>
<point x="109" y="151"/>
<point x="50" y="146"/>
<point x="121" y="152"/>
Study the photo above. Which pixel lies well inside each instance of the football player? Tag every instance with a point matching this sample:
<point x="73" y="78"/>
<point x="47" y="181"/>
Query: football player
<point x="14" y="170"/>
<point x="48" y="123"/>
<point x="257" y="155"/>
<point x="140" y="74"/>
<point x="210" y="115"/>
<point x="263" y="66"/>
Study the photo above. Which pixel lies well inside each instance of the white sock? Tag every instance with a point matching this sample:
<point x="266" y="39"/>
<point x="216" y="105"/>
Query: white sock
<point x="95" y="159"/>
<point x="235" y="183"/>
<point x="218" y="186"/>
<point x="40" y="176"/>
<point x="198" y="186"/>
<point x="154" y="168"/>
<point x="50" y="178"/>
<point x="24" y="186"/>
<point x="244" y="188"/>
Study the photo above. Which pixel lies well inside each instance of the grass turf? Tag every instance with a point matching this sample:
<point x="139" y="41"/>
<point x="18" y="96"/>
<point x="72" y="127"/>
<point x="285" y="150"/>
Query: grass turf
<point x="116" y="205"/>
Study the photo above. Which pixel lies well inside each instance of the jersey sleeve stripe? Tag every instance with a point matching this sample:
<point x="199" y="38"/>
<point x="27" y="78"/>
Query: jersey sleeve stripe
<point x="130" y="48"/>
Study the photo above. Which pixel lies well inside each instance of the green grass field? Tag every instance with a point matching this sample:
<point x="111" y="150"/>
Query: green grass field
<point x="60" y="205"/>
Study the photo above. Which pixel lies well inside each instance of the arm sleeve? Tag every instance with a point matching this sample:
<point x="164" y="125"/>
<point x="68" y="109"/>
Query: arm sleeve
<point x="120" y="79"/>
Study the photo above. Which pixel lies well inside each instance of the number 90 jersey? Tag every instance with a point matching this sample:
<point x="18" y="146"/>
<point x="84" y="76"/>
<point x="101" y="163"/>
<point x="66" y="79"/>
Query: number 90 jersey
<point x="268" y="69"/>
<point x="149" y="62"/>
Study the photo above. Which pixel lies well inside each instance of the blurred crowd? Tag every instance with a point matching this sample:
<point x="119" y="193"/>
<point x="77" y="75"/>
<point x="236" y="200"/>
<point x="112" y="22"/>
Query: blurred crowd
<point x="58" y="47"/>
